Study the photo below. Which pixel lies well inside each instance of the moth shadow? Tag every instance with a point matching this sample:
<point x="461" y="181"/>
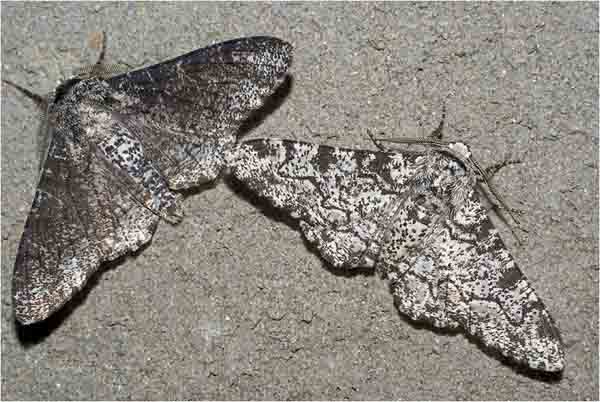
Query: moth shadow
<point x="519" y="368"/>
<point x="30" y="335"/>
<point x="277" y="215"/>
<point x="271" y="104"/>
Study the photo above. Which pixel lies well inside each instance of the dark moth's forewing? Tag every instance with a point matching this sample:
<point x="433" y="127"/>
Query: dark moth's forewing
<point x="417" y="218"/>
<point x="190" y="108"/>
<point x="119" y="146"/>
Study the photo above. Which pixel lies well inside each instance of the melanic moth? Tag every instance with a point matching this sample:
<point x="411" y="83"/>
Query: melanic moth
<point x="120" y="147"/>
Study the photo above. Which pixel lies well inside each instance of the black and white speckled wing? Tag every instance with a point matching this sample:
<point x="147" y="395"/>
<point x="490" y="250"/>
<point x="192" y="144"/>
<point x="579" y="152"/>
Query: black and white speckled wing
<point x="341" y="197"/>
<point x="416" y="217"/>
<point x="459" y="274"/>
<point x="187" y="110"/>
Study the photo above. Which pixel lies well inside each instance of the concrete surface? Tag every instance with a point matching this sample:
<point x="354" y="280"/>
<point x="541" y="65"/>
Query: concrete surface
<point x="230" y="304"/>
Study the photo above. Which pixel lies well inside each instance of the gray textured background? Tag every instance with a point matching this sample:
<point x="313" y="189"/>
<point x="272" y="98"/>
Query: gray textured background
<point x="230" y="304"/>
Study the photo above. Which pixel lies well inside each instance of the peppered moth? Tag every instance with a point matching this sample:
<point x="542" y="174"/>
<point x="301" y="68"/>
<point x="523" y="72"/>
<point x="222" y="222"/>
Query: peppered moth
<point x="118" y="148"/>
<point x="415" y="217"/>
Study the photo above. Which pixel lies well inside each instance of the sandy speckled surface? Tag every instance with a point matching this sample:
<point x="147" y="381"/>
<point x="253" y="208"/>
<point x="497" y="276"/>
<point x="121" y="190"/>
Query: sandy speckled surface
<point x="230" y="304"/>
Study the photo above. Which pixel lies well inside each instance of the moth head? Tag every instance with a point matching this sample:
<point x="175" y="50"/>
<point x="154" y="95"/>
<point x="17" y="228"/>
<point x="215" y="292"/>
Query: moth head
<point x="63" y="89"/>
<point x="455" y="159"/>
<point x="463" y="155"/>
<point x="457" y="171"/>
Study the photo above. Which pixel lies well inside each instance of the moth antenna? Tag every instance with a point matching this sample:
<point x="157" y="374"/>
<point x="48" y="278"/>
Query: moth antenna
<point x="434" y="138"/>
<point x="376" y="142"/>
<point x="417" y="140"/>
<point x="499" y="205"/>
<point x="40" y="101"/>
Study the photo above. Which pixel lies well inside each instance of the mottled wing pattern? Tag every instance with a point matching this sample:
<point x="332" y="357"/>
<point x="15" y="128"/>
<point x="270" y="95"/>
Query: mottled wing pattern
<point x="80" y="217"/>
<point x="460" y="275"/>
<point x="341" y="197"/>
<point x="187" y="110"/>
<point x="418" y="219"/>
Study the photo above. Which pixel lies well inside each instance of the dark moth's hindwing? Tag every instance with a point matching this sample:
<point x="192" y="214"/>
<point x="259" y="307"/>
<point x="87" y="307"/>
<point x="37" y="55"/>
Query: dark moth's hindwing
<point x="81" y="215"/>
<point x="120" y="146"/>
<point x="418" y="219"/>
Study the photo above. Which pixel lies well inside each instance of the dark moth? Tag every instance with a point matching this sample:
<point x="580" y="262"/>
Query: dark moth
<point x="118" y="149"/>
<point x="415" y="217"/>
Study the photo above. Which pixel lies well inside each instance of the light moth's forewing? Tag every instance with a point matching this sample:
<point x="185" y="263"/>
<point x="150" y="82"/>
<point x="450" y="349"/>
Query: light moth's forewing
<point x="416" y="217"/>
<point x="118" y="149"/>
<point x="341" y="197"/>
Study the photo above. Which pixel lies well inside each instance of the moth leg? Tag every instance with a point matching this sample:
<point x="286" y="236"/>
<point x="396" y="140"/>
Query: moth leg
<point x="99" y="68"/>
<point x="102" y="54"/>
<point x="492" y="170"/>
<point x="438" y="133"/>
<point x="434" y="138"/>
<point x="377" y="142"/>
<point x="499" y="209"/>
<point x="501" y="205"/>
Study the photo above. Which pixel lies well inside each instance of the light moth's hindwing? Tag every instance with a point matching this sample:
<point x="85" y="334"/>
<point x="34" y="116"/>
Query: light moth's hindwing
<point x="118" y="147"/>
<point x="417" y="218"/>
<point x="460" y="275"/>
